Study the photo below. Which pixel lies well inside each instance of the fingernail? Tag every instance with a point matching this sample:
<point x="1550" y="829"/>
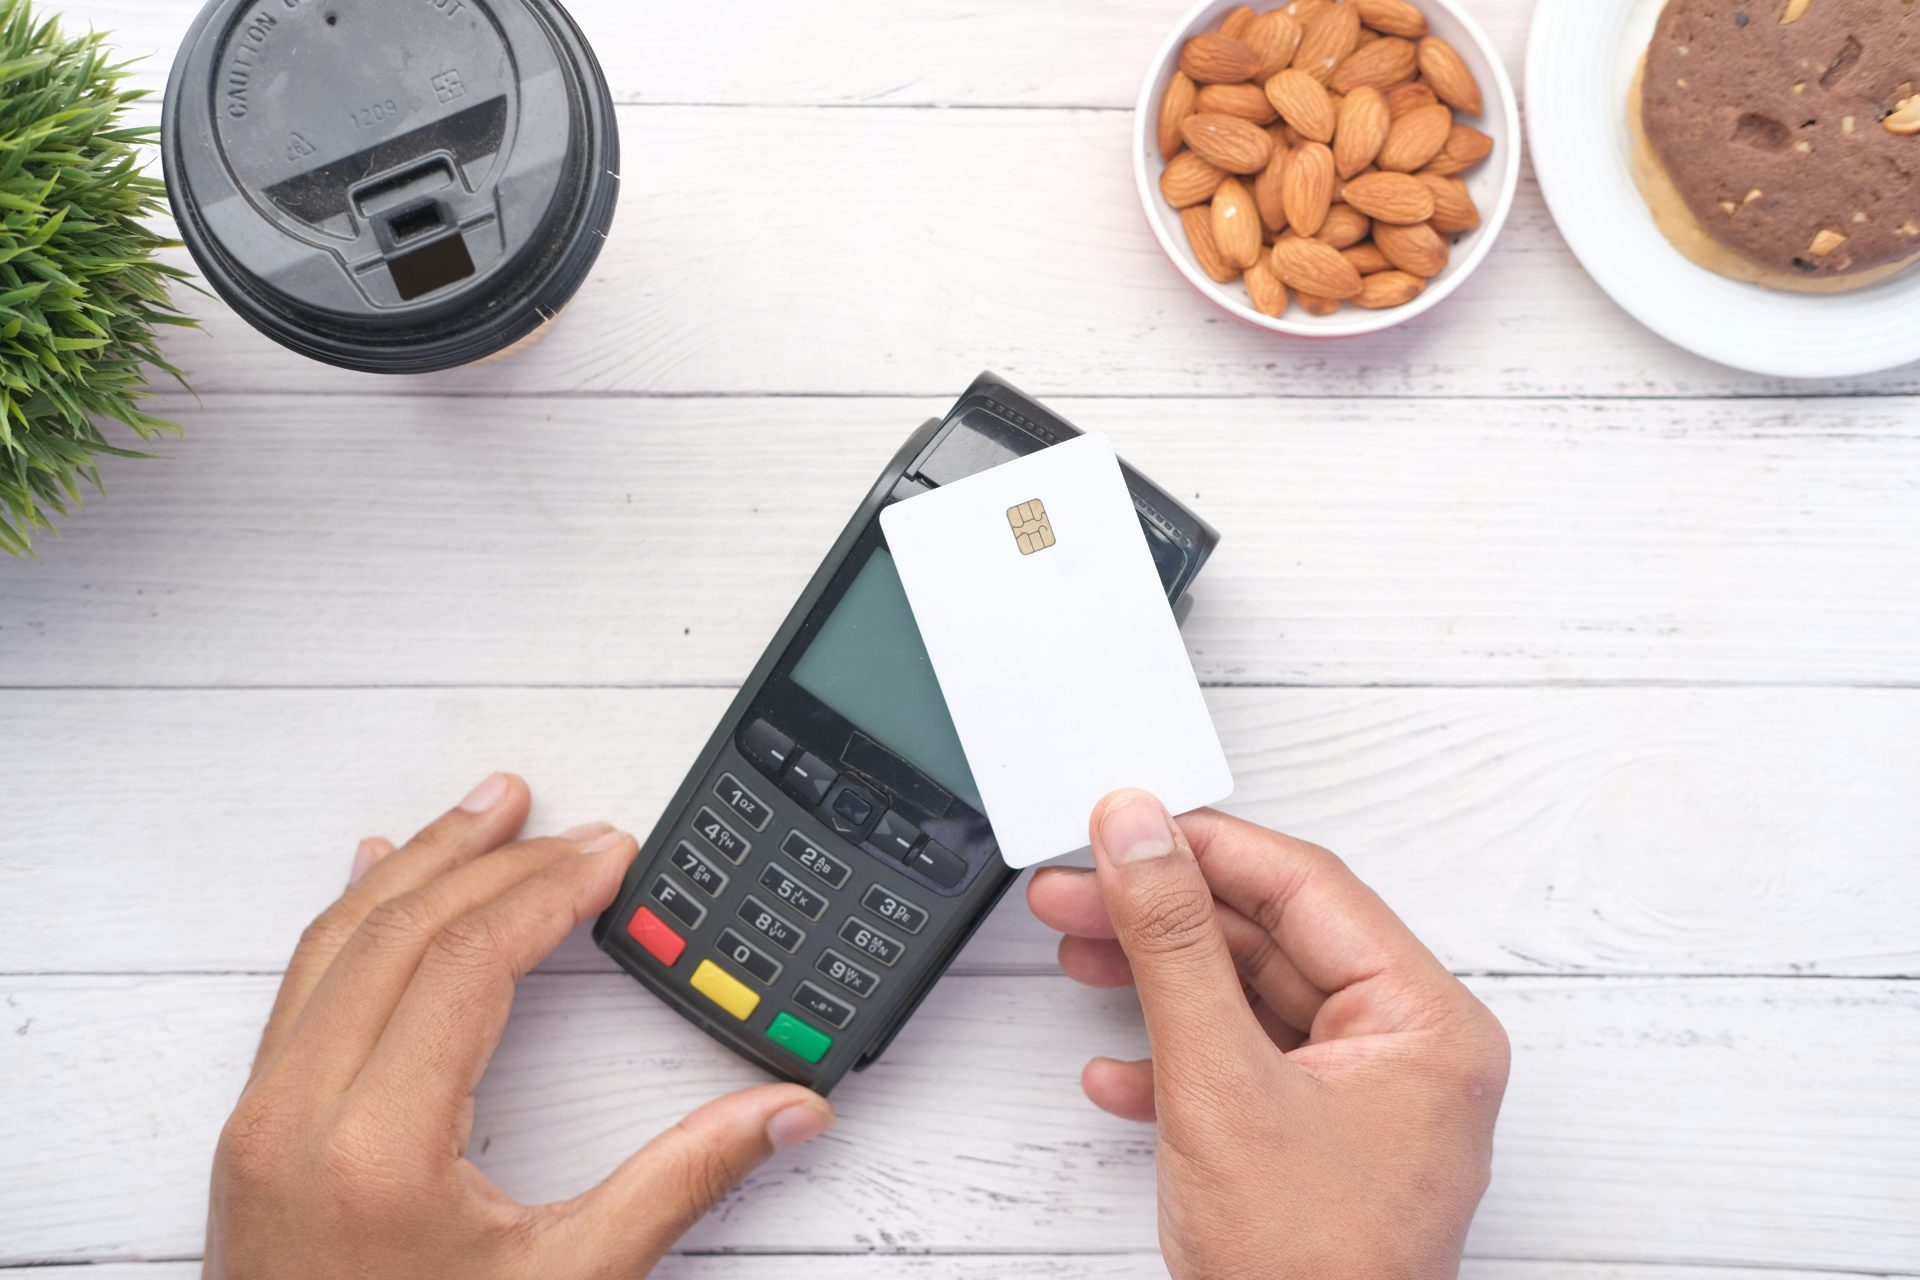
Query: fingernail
<point x="586" y="831"/>
<point x="486" y="795"/>
<point x="606" y="843"/>
<point x="363" y="859"/>
<point x="802" y="1122"/>
<point x="1136" y="829"/>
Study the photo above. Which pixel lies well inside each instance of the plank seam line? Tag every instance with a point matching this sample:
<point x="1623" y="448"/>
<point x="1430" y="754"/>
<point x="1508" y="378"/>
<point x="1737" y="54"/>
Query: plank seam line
<point x="947" y="393"/>
<point x="668" y="686"/>
<point x="160" y="1260"/>
<point x="1664" y="977"/>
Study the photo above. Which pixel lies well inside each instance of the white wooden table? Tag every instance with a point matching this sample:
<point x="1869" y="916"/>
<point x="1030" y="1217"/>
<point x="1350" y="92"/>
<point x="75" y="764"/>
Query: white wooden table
<point x="1603" y="663"/>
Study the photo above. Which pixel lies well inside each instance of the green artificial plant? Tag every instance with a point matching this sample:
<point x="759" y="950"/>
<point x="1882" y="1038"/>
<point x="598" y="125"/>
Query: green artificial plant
<point x="81" y="291"/>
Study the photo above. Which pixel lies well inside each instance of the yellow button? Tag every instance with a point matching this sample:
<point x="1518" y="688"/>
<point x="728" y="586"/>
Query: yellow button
<point x="725" y="990"/>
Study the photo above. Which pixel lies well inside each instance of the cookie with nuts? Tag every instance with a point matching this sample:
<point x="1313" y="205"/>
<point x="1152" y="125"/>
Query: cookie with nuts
<point x="1790" y="130"/>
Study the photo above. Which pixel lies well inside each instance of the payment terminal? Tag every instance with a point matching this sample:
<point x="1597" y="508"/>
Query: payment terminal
<point x="827" y="856"/>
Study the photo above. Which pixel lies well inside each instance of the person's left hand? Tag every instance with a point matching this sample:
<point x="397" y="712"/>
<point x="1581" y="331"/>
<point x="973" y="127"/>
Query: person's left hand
<point x="346" y="1155"/>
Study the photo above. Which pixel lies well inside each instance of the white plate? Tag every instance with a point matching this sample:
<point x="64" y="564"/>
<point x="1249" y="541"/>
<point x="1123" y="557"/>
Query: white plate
<point x="1581" y="59"/>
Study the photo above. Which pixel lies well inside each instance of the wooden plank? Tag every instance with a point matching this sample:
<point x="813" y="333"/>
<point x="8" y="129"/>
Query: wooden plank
<point x="942" y="53"/>
<point x="998" y="1266"/>
<point x="913" y="247"/>
<point x="880" y="210"/>
<point x="582" y="542"/>
<point x="1753" y="1122"/>
<point x="1629" y="830"/>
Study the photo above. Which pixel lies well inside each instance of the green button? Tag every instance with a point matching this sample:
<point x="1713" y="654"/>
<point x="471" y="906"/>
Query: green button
<point x="799" y="1039"/>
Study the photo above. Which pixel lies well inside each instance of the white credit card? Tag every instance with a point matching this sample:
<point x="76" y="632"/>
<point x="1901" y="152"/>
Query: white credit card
<point x="1055" y="647"/>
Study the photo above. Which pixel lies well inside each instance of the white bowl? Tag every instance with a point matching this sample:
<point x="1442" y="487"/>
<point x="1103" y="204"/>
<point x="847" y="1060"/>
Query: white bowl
<point x="1492" y="183"/>
<point x="1580" y="66"/>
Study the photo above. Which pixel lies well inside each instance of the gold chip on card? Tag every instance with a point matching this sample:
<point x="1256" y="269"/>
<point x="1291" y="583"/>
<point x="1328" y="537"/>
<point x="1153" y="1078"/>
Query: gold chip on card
<point x="1031" y="528"/>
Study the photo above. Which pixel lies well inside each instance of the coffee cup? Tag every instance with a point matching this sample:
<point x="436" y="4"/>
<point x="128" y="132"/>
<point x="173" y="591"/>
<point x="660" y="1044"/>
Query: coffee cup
<point x="393" y="186"/>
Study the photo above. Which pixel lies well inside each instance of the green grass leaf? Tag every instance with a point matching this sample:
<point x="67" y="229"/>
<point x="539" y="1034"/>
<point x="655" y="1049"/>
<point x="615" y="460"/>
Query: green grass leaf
<point x="81" y="291"/>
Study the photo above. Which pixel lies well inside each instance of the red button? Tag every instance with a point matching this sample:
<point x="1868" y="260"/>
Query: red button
<point x="662" y="943"/>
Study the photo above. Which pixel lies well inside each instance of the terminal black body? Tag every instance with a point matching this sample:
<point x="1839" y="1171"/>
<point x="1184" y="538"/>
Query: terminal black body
<point x="826" y="857"/>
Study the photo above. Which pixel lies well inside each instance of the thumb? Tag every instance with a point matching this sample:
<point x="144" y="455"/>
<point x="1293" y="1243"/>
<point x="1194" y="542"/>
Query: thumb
<point x="1163" y="915"/>
<point x="627" y="1223"/>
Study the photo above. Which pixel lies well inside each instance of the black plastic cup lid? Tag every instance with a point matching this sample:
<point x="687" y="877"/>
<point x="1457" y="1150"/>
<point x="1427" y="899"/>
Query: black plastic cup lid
<point x="397" y="186"/>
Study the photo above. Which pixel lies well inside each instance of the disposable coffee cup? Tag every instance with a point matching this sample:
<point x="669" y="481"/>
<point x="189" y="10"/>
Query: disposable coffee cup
<point x="395" y="186"/>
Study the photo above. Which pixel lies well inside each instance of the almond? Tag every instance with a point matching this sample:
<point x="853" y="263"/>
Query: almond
<point x="1306" y="189"/>
<point x="1453" y="208"/>
<point x="1403" y="98"/>
<point x="1417" y="249"/>
<point x="1345" y="227"/>
<point x="1243" y="100"/>
<point x="1304" y="11"/>
<point x="1235" y="24"/>
<point x="1189" y="180"/>
<point x="1367" y="258"/>
<point x="1360" y="131"/>
<point x="1314" y="305"/>
<point x="1175" y="105"/>
<point x="1446" y="72"/>
<point x="1466" y="147"/>
<point x="1385" y="289"/>
<point x="1314" y="268"/>
<point x="1197" y="222"/>
<point x="1268" y="294"/>
<point x="1329" y="38"/>
<point x="1236" y="224"/>
<point x="1393" y="18"/>
<point x="1269" y="192"/>
<point x="1212" y="58"/>
<point x="1905" y="119"/>
<point x="1398" y="198"/>
<point x="1826" y="242"/>
<point x="1303" y="103"/>
<point x="1382" y="64"/>
<point x="1273" y="37"/>
<point x="1228" y="142"/>
<point x="1415" y="138"/>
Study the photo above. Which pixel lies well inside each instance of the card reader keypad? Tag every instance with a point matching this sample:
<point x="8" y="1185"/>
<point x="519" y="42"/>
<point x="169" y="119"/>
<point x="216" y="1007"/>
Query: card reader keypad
<point x="758" y="913"/>
<point x="720" y="837"/>
<point x="781" y="932"/>
<point x="835" y="1013"/>
<point x="776" y="880"/>
<point x="895" y="909"/>
<point x="831" y="871"/>
<point x="700" y="873"/>
<point x="757" y="964"/>
<point x="848" y="974"/>
<point x="870" y="942"/>
<point x="745" y="805"/>
<point x="679" y="902"/>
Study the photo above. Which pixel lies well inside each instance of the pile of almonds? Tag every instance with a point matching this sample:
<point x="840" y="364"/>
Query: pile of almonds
<point x="1313" y="148"/>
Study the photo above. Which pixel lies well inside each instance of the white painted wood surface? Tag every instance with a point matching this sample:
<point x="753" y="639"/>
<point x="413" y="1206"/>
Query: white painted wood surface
<point x="1430" y="542"/>
<point x="1601" y="662"/>
<point x="1747" y="1120"/>
<point x="1592" y="831"/>
<point x="997" y="1266"/>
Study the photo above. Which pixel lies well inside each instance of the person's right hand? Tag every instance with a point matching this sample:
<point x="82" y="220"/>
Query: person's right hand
<point x="1325" y="1090"/>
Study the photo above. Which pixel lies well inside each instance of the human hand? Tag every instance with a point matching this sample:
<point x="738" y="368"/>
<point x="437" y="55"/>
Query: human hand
<point x="1325" y="1090"/>
<point x="346" y="1155"/>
